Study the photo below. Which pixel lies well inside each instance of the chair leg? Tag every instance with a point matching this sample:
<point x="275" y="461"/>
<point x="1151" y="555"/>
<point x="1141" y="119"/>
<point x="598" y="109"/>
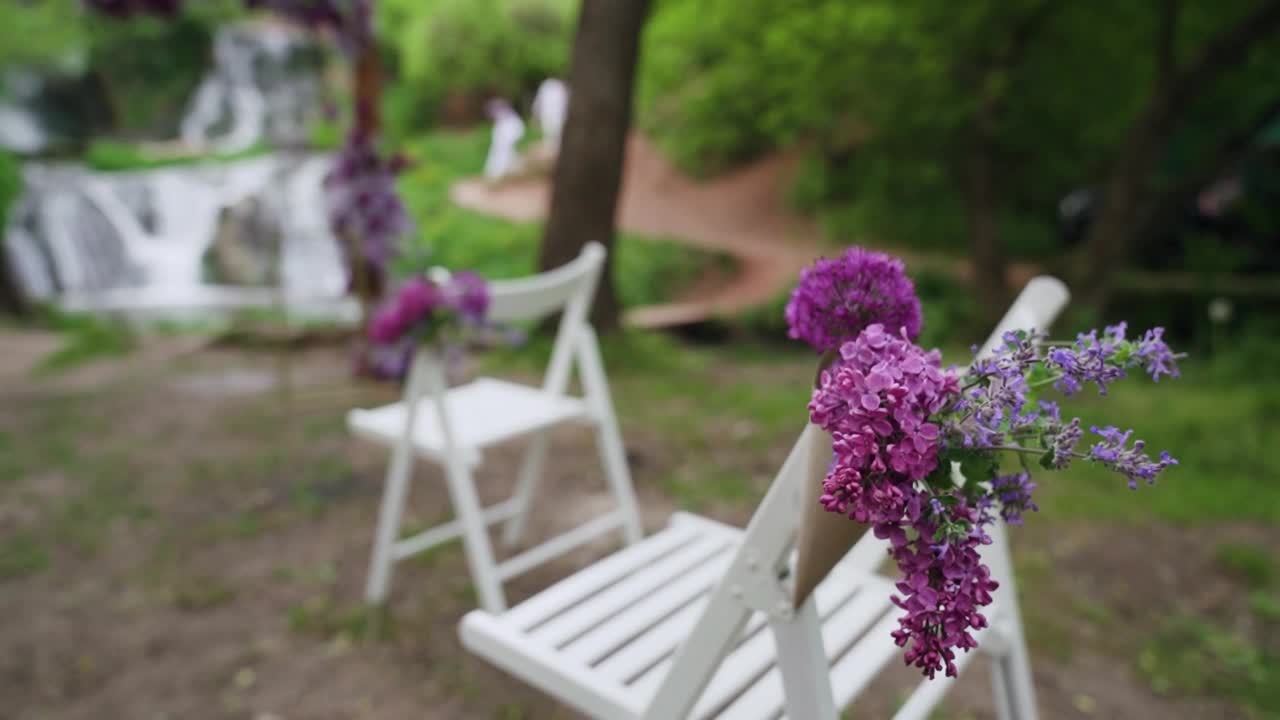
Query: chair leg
<point x="802" y="659"/>
<point x="526" y="487"/>
<point x="393" y="496"/>
<point x="1012" y="681"/>
<point x="475" y="538"/>
<point x="613" y="456"/>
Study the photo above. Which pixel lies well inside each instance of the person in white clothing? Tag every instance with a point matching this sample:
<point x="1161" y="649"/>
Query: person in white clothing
<point x="550" y="107"/>
<point x="508" y="128"/>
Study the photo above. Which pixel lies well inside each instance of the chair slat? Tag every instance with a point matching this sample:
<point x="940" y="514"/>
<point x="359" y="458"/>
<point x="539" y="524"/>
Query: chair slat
<point x="848" y="610"/>
<point x="851" y="673"/>
<point x="607" y="603"/>
<point x="642" y="616"/>
<point x="839" y="630"/>
<point x="572" y="590"/>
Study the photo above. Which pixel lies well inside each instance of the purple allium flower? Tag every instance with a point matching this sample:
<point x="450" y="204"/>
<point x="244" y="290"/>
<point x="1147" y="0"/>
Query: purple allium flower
<point x="1132" y="462"/>
<point x="837" y="299"/>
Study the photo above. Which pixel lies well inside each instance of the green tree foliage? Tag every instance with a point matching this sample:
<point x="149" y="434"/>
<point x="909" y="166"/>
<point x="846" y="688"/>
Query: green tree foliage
<point x="937" y="124"/>
<point x="452" y="55"/>
<point x="44" y="33"/>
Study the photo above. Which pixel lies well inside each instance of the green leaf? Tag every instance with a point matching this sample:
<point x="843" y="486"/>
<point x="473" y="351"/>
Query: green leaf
<point x="1046" y="460"/>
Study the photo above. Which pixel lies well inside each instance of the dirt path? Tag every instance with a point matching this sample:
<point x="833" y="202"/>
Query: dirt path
<point x="742" y="213"/>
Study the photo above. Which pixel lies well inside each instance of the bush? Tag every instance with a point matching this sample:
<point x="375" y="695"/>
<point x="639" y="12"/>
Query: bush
<point x="452" y="55"/>
<point x="148" y="68"/>
<point x="10" y="183"/>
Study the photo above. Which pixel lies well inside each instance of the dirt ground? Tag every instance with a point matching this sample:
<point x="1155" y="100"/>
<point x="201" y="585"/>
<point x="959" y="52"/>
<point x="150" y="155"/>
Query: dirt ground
<point x="188" y="539"/>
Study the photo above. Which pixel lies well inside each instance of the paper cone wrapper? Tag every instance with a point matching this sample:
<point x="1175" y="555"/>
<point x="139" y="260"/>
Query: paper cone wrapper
<point x="824" y="537"/>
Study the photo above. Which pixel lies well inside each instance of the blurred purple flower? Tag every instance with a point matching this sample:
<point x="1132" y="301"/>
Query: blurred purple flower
<point x="364" y="206"/>
<point x="838" y="298"/>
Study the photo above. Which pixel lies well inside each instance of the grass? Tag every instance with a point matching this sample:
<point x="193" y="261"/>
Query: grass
<point x="114" y="156"/>
<point x="1251" y="565"/>
<point x="85" y="338"/>
<point x="1194" y="655"/>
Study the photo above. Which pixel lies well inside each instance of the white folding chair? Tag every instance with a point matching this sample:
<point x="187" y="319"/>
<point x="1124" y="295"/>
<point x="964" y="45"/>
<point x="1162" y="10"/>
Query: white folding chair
<point x="674" y="626"/>
<point x="453" y="426"/>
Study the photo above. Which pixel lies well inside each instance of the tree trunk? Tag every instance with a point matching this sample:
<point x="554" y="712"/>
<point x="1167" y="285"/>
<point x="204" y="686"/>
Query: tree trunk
<point x="1126" y="191"/>
<point x="990" y="279"/>
<point x="588" y="173"/>
<point x="11" y="300"/>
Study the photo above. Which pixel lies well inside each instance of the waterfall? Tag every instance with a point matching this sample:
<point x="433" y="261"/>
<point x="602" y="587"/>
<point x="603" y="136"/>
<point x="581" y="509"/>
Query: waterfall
<point x="252" y="92"/>
<point x="77" y="234"/>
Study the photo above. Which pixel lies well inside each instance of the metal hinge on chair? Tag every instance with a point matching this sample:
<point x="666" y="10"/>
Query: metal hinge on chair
<point x="763" y="587"/>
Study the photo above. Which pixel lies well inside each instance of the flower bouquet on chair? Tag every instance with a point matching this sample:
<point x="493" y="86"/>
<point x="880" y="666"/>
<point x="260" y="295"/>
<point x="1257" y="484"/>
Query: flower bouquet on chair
<point x="929" y="457"/>
<point x="443" y="311"/>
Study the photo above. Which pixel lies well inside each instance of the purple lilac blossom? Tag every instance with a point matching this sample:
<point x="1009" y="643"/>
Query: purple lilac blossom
<point x="421" y="304"/>
<point x="944" y="586"/>
<point x="470" y="295"/>
<point x="876" y="403"/>
<point x="363" y="204"/>
<point x="837" y="298"/>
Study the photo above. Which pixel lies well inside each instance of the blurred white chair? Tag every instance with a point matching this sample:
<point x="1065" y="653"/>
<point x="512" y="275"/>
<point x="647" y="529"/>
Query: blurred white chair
<point x="674" y="626"/>
<point x="453" y="426"/>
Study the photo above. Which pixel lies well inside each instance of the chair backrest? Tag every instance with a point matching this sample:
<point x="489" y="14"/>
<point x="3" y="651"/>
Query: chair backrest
<point x="568" y="289"/>
<point x="764" y="555"/>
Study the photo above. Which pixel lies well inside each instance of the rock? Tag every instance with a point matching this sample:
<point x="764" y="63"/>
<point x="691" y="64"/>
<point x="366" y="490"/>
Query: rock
<point x="246" y="245"/>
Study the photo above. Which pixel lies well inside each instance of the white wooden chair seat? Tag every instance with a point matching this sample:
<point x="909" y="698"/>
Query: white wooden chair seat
<point x="485" y="412"/>
<point x="605" y="637"/>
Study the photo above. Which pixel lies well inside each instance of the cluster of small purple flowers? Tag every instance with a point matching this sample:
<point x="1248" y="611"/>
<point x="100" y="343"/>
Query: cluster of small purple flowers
<point x="364" y="207"/>
<point x="1103" y="360"/>
<point x="837" y="298"/>
<point x="1114" y="452"/>
<point x="944" y="582"/>
<point x="876" y="403"/>
<point x="900" y="424"/>
<point x="424" y="309"/>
